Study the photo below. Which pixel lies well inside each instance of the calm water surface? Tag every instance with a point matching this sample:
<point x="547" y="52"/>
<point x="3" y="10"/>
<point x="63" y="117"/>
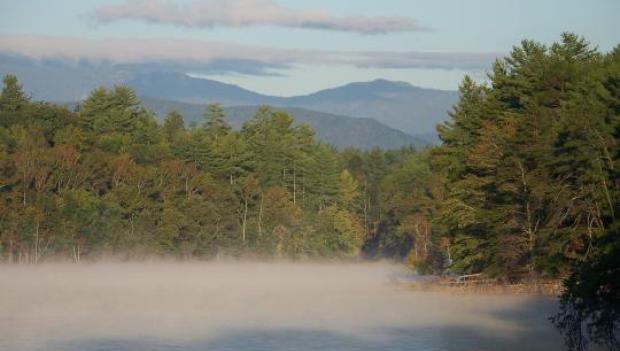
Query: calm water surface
<point x="254" y="306"/>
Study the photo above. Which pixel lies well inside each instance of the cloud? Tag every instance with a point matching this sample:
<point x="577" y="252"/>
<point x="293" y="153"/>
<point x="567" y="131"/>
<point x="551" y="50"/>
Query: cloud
<point x="438" y="60"/>
<point x="223" y="58"/>
<point x="243" y="13"/>
<point x="223" y="66"/>
<point x="137" y="50"/>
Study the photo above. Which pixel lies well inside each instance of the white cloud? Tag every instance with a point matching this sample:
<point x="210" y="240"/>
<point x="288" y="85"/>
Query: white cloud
<point x="242" y="13"/>
<point x="226" y="56"/>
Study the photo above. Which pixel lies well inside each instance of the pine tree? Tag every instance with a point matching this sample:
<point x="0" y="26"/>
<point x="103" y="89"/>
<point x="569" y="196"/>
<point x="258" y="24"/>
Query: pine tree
<point x="215" y="121"/>
<point x="13" y="102"/>
<point x="13" y="97"/>
<point x="174" y="126"/>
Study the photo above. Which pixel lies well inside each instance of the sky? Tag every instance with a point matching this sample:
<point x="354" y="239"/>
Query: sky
<point x="292" y="47"/>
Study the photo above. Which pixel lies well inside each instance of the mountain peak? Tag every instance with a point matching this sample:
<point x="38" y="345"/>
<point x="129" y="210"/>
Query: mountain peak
<point x="378" y="88"/>
<point x="384" y="81"/>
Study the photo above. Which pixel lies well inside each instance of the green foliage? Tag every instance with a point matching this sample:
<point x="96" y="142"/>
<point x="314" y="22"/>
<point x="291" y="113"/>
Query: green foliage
<point x="215" y="122"/>
<point x="527" y="160"/>
<point x="590" y="305"/>
<point x="532" y="184"/>
<point x="13" y="97"/>
<point x="107" y="179"/>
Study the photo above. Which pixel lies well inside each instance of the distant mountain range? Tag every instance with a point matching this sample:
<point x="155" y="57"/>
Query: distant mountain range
<point x="394" y="106"/>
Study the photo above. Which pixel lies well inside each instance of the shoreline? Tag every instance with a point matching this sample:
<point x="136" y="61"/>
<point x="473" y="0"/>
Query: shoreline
<point x="546" y="288"/>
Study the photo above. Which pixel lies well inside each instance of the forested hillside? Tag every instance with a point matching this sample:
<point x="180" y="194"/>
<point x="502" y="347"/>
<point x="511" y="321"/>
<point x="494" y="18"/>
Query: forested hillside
<point x="525" y="182"/>
<point x="108" y="179"/>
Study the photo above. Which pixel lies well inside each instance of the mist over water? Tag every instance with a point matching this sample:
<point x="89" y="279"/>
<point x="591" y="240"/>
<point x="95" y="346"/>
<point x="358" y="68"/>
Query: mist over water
<point x="255" y="306"/>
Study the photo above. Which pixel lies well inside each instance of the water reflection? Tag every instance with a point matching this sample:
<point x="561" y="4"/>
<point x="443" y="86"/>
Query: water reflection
<point x="438" y="338"/>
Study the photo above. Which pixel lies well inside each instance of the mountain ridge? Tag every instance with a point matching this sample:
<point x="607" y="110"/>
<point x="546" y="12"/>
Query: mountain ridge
<point x="399" y="105"/>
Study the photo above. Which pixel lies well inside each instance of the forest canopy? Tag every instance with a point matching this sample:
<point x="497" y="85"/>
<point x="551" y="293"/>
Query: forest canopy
<point x="525" y="181"/>
<point x="109" y="179"/>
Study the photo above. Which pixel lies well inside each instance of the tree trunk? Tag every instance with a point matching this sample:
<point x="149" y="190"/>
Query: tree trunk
<point x="529" y="229"/>
<point x="260" y="217"/>
<point x="245" y="217"/>
<point x="11" y="249"/>
<point x="187" y="188"/>
<point x="76" y="253"/>
<point x="36" y="243"/>
<point x="365" y="207"/>
<point x="426" y="240"/>
<point x="24" y="188"/>
<point x="132" y="227"/>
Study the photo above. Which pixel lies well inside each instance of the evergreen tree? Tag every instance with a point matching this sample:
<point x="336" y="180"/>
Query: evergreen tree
<point x="215" y="121"/>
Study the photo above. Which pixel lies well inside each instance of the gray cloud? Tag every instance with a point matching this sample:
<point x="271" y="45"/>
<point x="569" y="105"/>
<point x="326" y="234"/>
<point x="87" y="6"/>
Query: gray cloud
<point x="224" y="58"/>
<point x="242" y="13"/>
<point x="213" y="67"/>
<point x="438" y="60"/>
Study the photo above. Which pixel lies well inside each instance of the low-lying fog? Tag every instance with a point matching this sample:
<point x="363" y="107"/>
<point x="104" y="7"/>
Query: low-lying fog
<point x="254" y="306"/>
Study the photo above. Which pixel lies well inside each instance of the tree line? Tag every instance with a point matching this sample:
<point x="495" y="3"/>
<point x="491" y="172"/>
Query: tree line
<point x="107" y="179"/>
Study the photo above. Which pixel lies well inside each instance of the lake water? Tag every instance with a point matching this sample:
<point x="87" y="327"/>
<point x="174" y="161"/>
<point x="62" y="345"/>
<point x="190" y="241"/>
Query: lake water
<point x="255" y="306"/>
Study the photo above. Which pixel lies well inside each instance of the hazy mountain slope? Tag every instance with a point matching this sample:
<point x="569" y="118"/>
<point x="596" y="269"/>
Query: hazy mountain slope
<point x="181" y="87"/>
<point x="340" y="131"/>
<point x="397" y="104"/>
<point x="57" y="80"/>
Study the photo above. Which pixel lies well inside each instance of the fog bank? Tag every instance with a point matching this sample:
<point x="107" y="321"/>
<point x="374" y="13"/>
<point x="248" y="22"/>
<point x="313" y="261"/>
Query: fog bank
<point x="262" y="305"/>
